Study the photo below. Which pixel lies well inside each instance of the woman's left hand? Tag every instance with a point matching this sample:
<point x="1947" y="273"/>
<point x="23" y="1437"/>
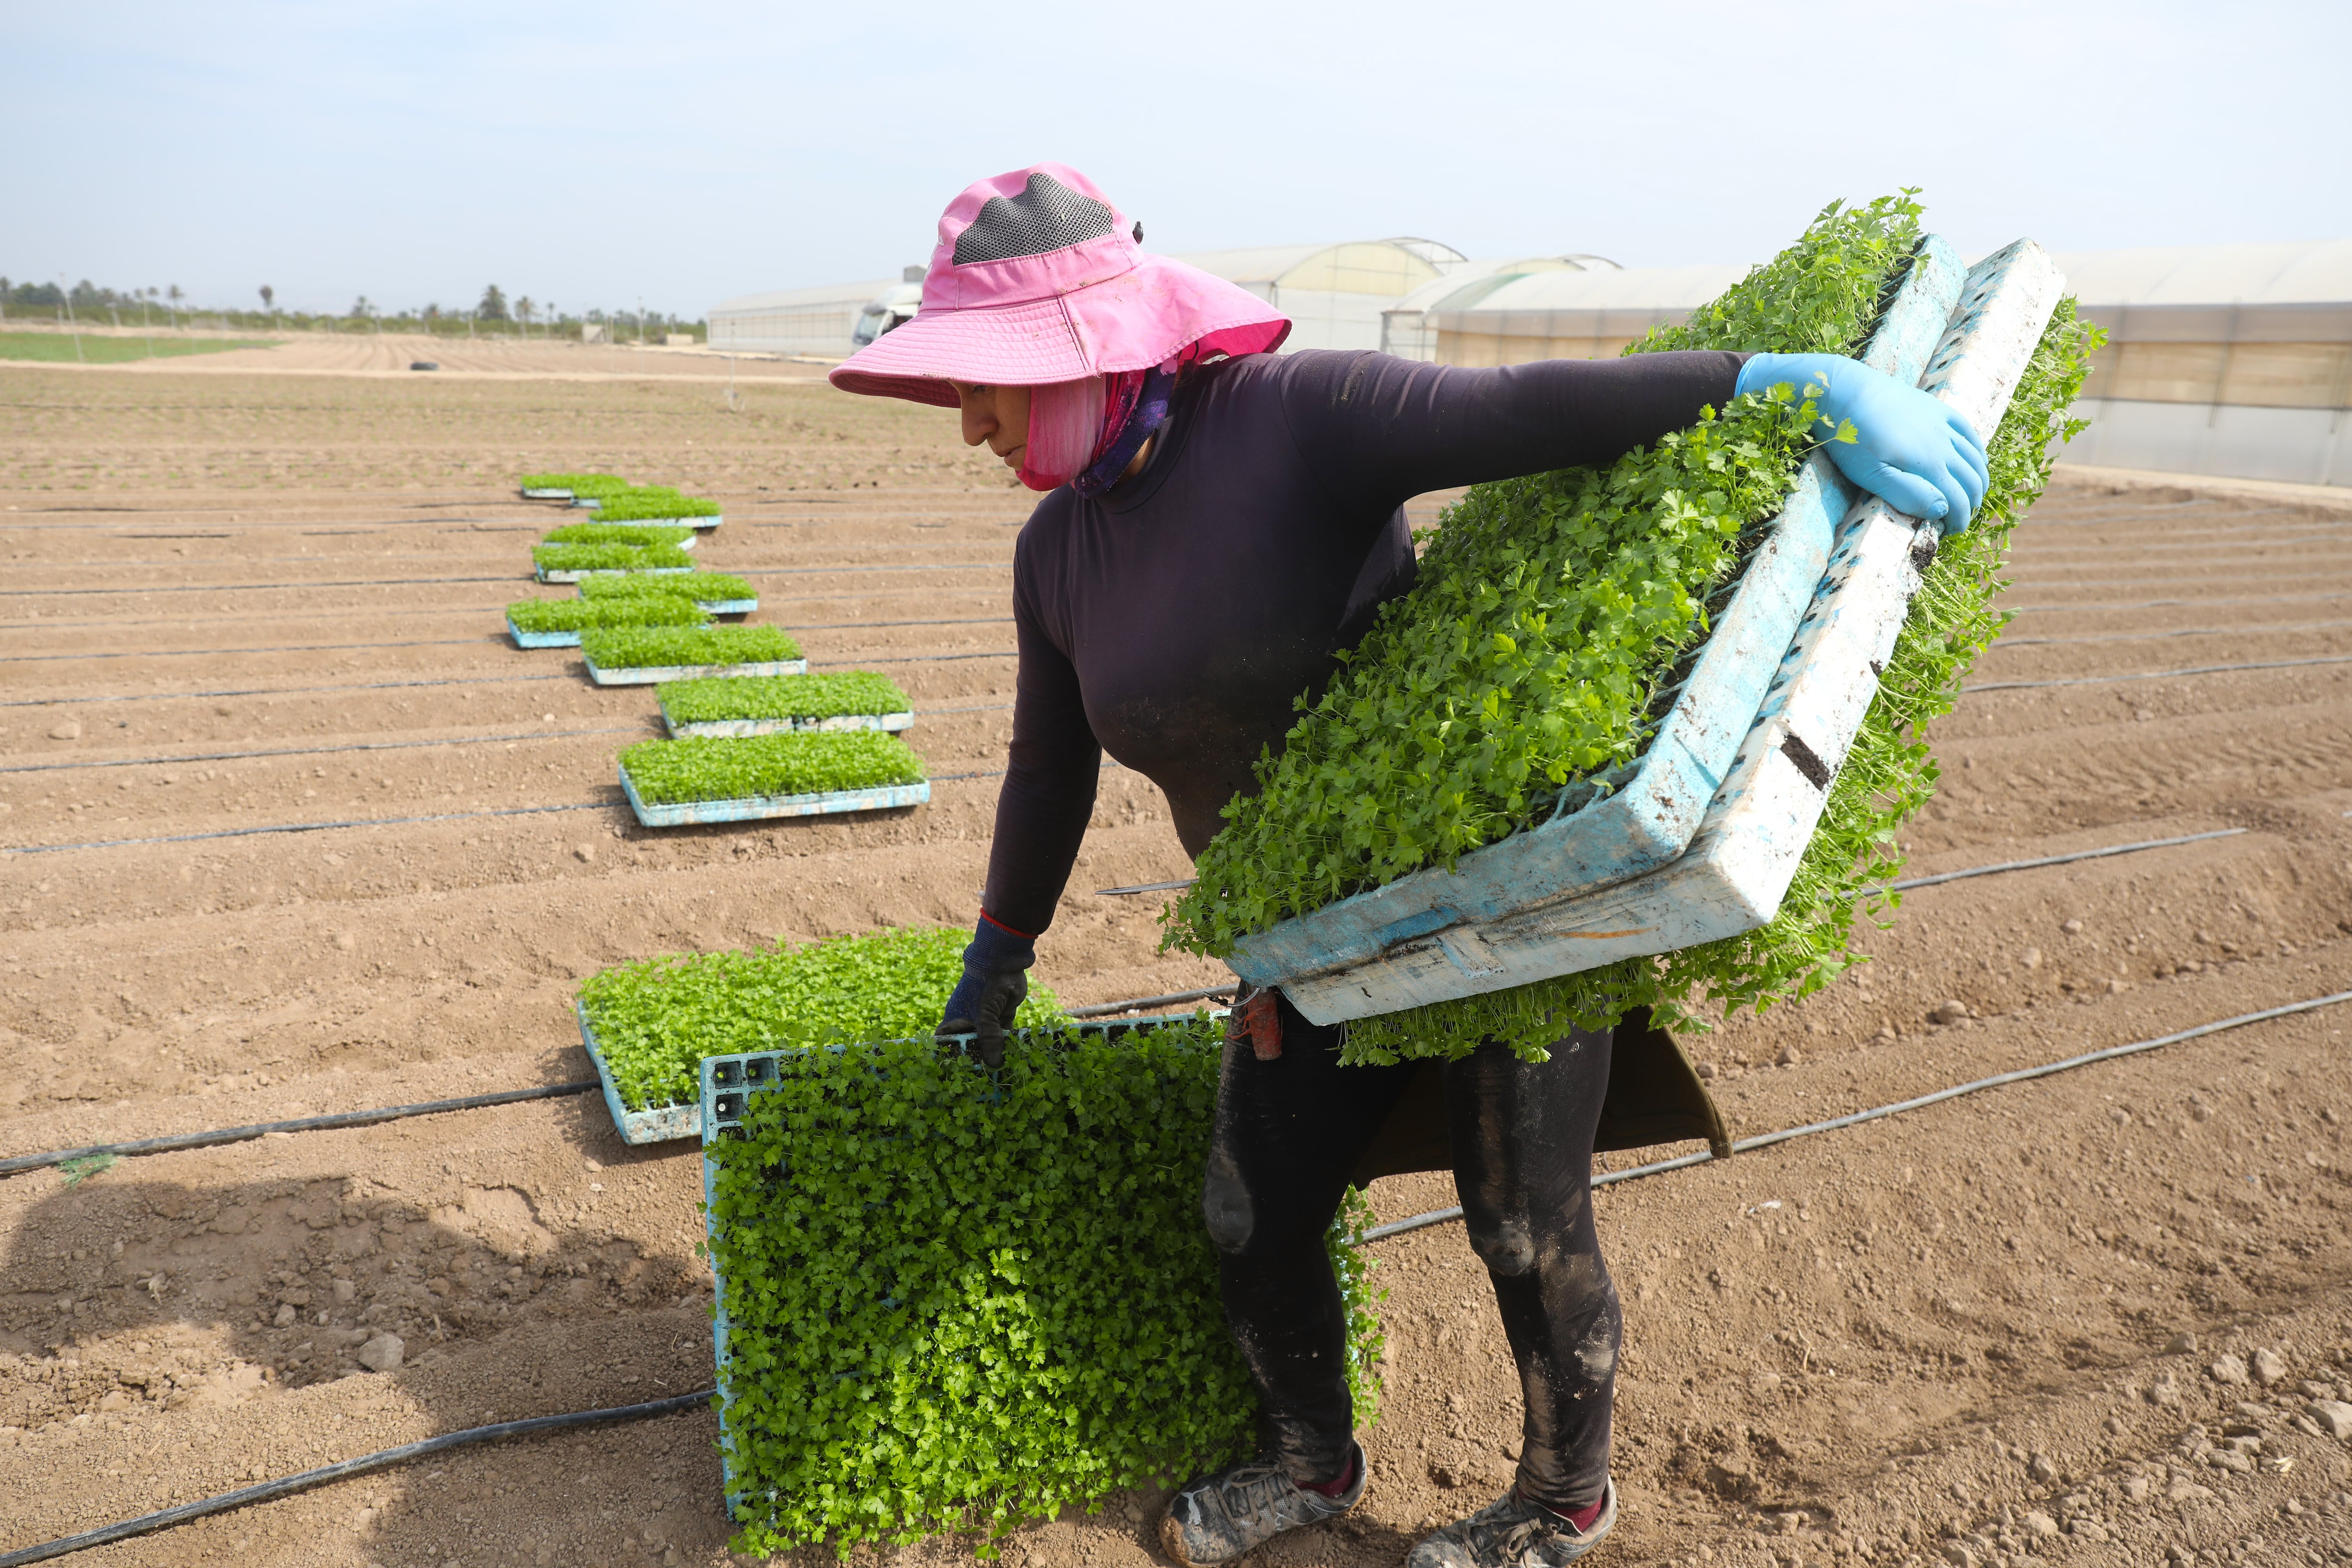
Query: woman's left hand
<point x="1896" y="441"/>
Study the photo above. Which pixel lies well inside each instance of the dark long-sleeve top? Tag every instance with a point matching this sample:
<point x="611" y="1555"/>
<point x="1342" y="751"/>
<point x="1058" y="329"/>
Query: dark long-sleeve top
<point x="1173" y="620"/>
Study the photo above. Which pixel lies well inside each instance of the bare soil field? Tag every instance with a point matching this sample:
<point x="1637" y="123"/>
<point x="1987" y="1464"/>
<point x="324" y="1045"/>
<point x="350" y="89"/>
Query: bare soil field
<point x="2075" y="1320"/>
<point x="396" y="355"/>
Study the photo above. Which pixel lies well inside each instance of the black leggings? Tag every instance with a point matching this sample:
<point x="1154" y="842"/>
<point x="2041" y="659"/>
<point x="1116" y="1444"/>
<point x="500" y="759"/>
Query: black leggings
<point x="1288" y="1133"/>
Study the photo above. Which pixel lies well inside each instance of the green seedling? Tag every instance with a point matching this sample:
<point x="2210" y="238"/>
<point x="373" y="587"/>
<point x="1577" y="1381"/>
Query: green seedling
<point x="960" y="1300"/>
<point x="781" y="696"/>
<point x="578" y="484"/>
<point x="1534" y="654"/>
<point x="633" y="649"/>
<point x="608" y="557"/>
<point x="616" y="534"/>
<point x="654" y="1021"/>
<point x="747" y="767"/>
<point x="704" y="587"/>
<point x="655" y="501"/>
<point x="587" y="615"/>
<point x="83" y="1167"/>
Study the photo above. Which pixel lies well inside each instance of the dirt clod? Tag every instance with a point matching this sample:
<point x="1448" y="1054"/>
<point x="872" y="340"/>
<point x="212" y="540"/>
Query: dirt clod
<point x="383" y="1353"/>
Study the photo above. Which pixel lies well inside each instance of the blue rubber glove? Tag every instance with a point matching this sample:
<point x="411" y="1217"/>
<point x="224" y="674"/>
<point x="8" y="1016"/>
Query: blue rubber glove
<point x="995" y="983"/>
<point x="1894" y="441"/>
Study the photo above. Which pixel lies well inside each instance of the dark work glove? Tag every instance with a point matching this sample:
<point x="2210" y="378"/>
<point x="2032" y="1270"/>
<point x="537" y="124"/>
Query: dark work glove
<point x="995" y="983"/>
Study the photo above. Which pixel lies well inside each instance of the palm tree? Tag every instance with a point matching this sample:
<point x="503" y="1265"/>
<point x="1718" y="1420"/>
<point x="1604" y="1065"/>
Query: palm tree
<point x="523" y="309"/>
<point x="269" y="303"/>
<point x="175" y="296"/>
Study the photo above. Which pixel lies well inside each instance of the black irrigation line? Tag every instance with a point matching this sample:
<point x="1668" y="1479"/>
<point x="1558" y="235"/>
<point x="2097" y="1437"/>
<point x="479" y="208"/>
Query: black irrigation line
<point x="2187" y="571"/>
<point x="250" y="587"/>
<point x="1104" y="1009"/>
<point x="2258" y="630"/>
<point x="382" y="1459"/>
<point x="289" y="691"/>
<point x="309" y="828"/>
<point x="1107" y="766"/>
<point x="913" y="659"/>
<point x="1904" y="885"/>
<point x="282" y="647"/>
<point x="2182" y="604"/>
<point x="488" y="638"/>
<point x="173" y="1142"/>
<point x="329" y="750"/>
<point x="1998" y="1080"/>
<point x="2158" y="674"/>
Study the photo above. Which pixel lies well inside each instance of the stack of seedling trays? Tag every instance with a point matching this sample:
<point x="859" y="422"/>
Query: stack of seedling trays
<point x="658" y="505"/>
<point x="717" y="593"/>
<point x="1699" y="838"/>
<point x="783" y="704"/>
<point x="909" y="1248"/>
<point x="646" y="656"/>
<point x="573" y="487"/>
<point x="647" y="1025"/>
<point x="560" y="623"/>
<point x="581" y="549"/>
<point x="697" y="779"/>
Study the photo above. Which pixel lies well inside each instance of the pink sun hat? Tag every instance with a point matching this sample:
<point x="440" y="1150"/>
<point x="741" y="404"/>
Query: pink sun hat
<point x="1038" y="278"/>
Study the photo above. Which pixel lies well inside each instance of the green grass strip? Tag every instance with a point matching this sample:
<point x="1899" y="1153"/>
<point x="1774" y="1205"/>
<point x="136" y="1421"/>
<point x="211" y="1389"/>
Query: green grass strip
<point x="747" y="767"/>
<point x="781" y="696"/>
<point x="707" y="587"/>
<point x="58" y="348"/>
<point x="615" y="533"/>
<point x="586" y="615"/>
<point x="656" y="1020"/>
<point x="608" y="557"/>
<point x="654" y="501"/>
<point x="578" y="484"/>
<point x="624" y="648"/>
<point x="960" y="1300"/>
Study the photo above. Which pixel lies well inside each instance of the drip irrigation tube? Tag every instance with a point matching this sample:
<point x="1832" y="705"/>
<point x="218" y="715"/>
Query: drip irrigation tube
<point x="913" y="659"/>
<point x="290" y="690"/>
<point x="1905" y="885"/>
<point x="327" y="750"/>
<point x="242" y="587"/>
<point x="1998" y="1080"/>
<point x="213" y="652"/>
<point x="175" y="1142"/>
<point x="383" y="1459"/>
<point x="2158" y="674"/>
<point x="1104" y="1009"/>
<point x="1107" y="765"/>
<point x="2182" y="632"/>
<point x="2180" y="603"/>
<point x="309" y="828"/>
<point x="2170" y="582"/>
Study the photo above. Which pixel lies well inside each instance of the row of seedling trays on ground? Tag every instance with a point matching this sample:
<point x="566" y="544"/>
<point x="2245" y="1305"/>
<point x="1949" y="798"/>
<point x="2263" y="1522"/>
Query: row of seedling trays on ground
<point x="752" y="733"/>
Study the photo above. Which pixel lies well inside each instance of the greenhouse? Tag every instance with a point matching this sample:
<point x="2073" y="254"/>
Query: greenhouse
<point x="815" y="321"/>
<point x="2221" y="359"/>
<point x="1335" y="295"/>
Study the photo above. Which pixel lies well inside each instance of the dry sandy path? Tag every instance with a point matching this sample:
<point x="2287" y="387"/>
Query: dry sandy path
<point x="260" y="601"/>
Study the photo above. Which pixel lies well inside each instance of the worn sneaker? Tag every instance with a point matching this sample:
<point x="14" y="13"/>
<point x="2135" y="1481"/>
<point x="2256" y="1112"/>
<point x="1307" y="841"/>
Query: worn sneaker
<point x="1217" y="1518"/>
<point x="1509" y="1533"/>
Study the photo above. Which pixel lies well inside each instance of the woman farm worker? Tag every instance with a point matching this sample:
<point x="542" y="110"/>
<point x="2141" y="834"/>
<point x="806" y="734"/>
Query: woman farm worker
<point x="1217" y="523"/>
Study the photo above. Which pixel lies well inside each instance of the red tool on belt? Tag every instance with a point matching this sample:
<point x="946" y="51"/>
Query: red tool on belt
<point x="1256" y="1019"/>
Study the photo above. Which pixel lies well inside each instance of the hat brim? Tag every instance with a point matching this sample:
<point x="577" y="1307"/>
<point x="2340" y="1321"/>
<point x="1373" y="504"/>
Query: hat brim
<point x="1141" y="318"/>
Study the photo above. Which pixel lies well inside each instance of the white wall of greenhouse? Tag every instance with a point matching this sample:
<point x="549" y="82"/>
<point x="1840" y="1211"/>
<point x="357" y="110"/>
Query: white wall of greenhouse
<point x="813" y="321"/>
<point x="2221" y="359"/>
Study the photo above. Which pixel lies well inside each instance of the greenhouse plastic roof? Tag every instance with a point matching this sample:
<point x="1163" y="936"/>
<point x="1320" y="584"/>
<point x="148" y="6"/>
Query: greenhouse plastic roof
<point x="2302" y="272"/>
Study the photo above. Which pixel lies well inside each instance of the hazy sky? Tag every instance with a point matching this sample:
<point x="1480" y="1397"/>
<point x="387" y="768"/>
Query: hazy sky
<point x="590" y="153"/>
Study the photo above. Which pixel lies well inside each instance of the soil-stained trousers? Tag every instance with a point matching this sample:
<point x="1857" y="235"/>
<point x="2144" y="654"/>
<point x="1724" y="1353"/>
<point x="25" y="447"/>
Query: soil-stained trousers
<point x="1289" y="1131"/>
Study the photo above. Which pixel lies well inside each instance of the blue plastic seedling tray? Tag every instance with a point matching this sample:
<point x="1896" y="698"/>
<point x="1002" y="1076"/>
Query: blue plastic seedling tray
<point x="653" y="674"/>
<point x="728" y="1082"/>
<point x="656" y="1123"/>
<point x="730" y="727"/>
<point x="546" y="495"/>
<point x="567" y="576"/>
<point x="1645" y="815"/>
<point x="1792" y="736"/>
<point x="753" y="809"/>
<point x="716" y="606"/>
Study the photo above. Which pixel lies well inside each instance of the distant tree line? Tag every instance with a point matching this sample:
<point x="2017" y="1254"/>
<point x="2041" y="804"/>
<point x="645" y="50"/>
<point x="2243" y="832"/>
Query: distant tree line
<point x="495" y="315"/>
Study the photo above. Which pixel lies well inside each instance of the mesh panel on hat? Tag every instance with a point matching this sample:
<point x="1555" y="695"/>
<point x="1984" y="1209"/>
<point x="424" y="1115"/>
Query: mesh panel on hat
<point x="1047" y="216"/>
